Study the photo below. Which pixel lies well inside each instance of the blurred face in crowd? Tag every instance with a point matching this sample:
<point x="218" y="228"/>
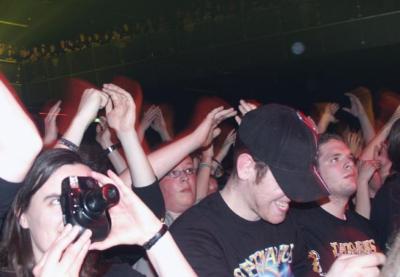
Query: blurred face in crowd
<point x="43" y="217"/>
<point x="336" y="166"/>
<point x="178" y="187"/>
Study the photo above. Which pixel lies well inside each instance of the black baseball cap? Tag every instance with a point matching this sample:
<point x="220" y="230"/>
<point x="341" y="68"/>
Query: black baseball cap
<point x="286" y="141"/>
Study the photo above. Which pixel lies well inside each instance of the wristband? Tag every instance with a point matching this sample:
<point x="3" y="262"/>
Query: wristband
<point x="156" y="237"/>
<point x="111" y="148"/>
<point x="201" y="165"/>
<point x="69" y="144"/>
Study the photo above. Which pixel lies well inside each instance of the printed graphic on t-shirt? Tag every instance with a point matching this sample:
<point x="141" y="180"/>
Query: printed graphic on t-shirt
<point x="341" y="248"/>
<point x="315" y="259"/>
<point x="272" y="261"/>
<point x="353" y="247"/>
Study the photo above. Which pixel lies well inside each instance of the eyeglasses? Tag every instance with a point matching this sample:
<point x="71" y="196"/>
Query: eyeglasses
<point x="178" y="173"/>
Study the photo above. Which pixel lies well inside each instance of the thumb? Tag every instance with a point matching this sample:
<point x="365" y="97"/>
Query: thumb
<point x="346" y="109"/>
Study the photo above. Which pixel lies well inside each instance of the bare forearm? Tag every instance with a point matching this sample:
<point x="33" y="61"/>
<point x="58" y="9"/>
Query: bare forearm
<point x="323" y="123"/>
<point x="75" y="131"/>
<point x="166" y="253"/>
<point x="363" y="203"/>
<point x="165" y="158"/>
<point x="117" y="161"/>
<point x="139" y="167"/>
<point x="367" y="128"/>
<point x="203" y="177"/>
<point x="368" y="151"/>
<point x="20" y="141"/>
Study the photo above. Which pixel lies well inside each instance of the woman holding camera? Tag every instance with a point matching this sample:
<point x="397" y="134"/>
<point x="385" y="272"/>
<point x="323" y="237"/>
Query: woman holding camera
<point x="35" y="240"/>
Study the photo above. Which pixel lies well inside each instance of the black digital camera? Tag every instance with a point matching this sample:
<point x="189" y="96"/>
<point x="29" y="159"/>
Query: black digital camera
<point x="85" y="203"/>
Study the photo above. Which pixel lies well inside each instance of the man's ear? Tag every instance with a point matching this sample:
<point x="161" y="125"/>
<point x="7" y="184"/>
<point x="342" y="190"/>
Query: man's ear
<point x="245" y="166"/>
<point x="23" y="221"/>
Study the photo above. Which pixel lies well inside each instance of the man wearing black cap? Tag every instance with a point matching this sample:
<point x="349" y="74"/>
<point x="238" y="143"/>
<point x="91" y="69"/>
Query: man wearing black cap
<point x="243" y="230"/>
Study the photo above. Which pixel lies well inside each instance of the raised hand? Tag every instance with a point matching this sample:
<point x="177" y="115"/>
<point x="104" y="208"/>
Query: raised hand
<point x="132" y="221"/>
<point x="357" y="265"/>
<point x="366" y="169"/>
<point x="121" y="111"/>
<point x="50" y="124"/>
<point x="330" y="111"/>
<point x="92" y="101"/>
<point x="356" y="108"/>
<point x="159" y="125"/>
<point x="355" y="142"/>
<point x="66" y="255"/>
<point x="148" y="117"/>
<point x="244" y="107"/>
<point x="208" y="128"/>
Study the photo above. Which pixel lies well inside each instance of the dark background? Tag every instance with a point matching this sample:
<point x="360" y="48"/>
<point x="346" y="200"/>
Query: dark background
<point x="247" y="54"/>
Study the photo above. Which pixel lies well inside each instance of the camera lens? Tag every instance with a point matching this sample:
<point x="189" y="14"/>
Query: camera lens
<point x="94" y="202"/>
<point x="111" y="194"/>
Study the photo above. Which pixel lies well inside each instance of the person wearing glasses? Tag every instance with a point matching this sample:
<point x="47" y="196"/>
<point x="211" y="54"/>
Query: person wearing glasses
<point x="178" y="188"/>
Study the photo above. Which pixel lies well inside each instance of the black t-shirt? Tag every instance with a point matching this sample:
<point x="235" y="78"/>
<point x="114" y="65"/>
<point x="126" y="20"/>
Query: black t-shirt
<point x="8" y="191"/>
<point x="217" y="242"/>
<point x="385" y="212"/>
<point x="122" y="270"/>
<point x="328" y="237"/>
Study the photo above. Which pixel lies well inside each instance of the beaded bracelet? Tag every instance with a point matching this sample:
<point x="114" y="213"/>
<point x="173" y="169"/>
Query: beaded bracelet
<point x="156" y="237"/>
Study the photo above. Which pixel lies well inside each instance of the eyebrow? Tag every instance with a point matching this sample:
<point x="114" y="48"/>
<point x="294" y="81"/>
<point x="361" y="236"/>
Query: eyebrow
<point x="53" y="195"/>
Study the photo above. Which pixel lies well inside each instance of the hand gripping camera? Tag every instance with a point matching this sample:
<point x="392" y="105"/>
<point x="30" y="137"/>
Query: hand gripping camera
<point x="85" y="203"/>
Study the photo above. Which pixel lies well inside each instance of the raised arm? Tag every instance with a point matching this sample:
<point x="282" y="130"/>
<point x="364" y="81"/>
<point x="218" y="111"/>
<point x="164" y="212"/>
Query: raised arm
<point x="20" y="141"/>
<point x="160" y="126"/>
<point x="357" y="109"/>
<point x="380" y="138"/>
<point x="226" y="145"/>
<point x="121" y="116"/>
<point x="366" y="170"/>
<point x="103" y="137"/>
<point x="147" y="119"/>
<point x="204" y="172"/>
<point x="91" y="101"/>
<point x="164" y="159"/>
<point x="327" y="117"/>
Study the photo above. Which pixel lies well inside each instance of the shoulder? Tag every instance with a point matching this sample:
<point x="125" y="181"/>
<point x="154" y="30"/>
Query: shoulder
<point x="200" y="215"/>
<point x="304" y="212"/>
<point x="354" y="217"/>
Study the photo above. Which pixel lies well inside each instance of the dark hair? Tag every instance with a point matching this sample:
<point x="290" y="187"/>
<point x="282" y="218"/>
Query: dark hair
<point x="16" y="242"/>
<point x="394" y="146"/>
<point x="240" y="148"/>
<point x="324" y="138"/>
